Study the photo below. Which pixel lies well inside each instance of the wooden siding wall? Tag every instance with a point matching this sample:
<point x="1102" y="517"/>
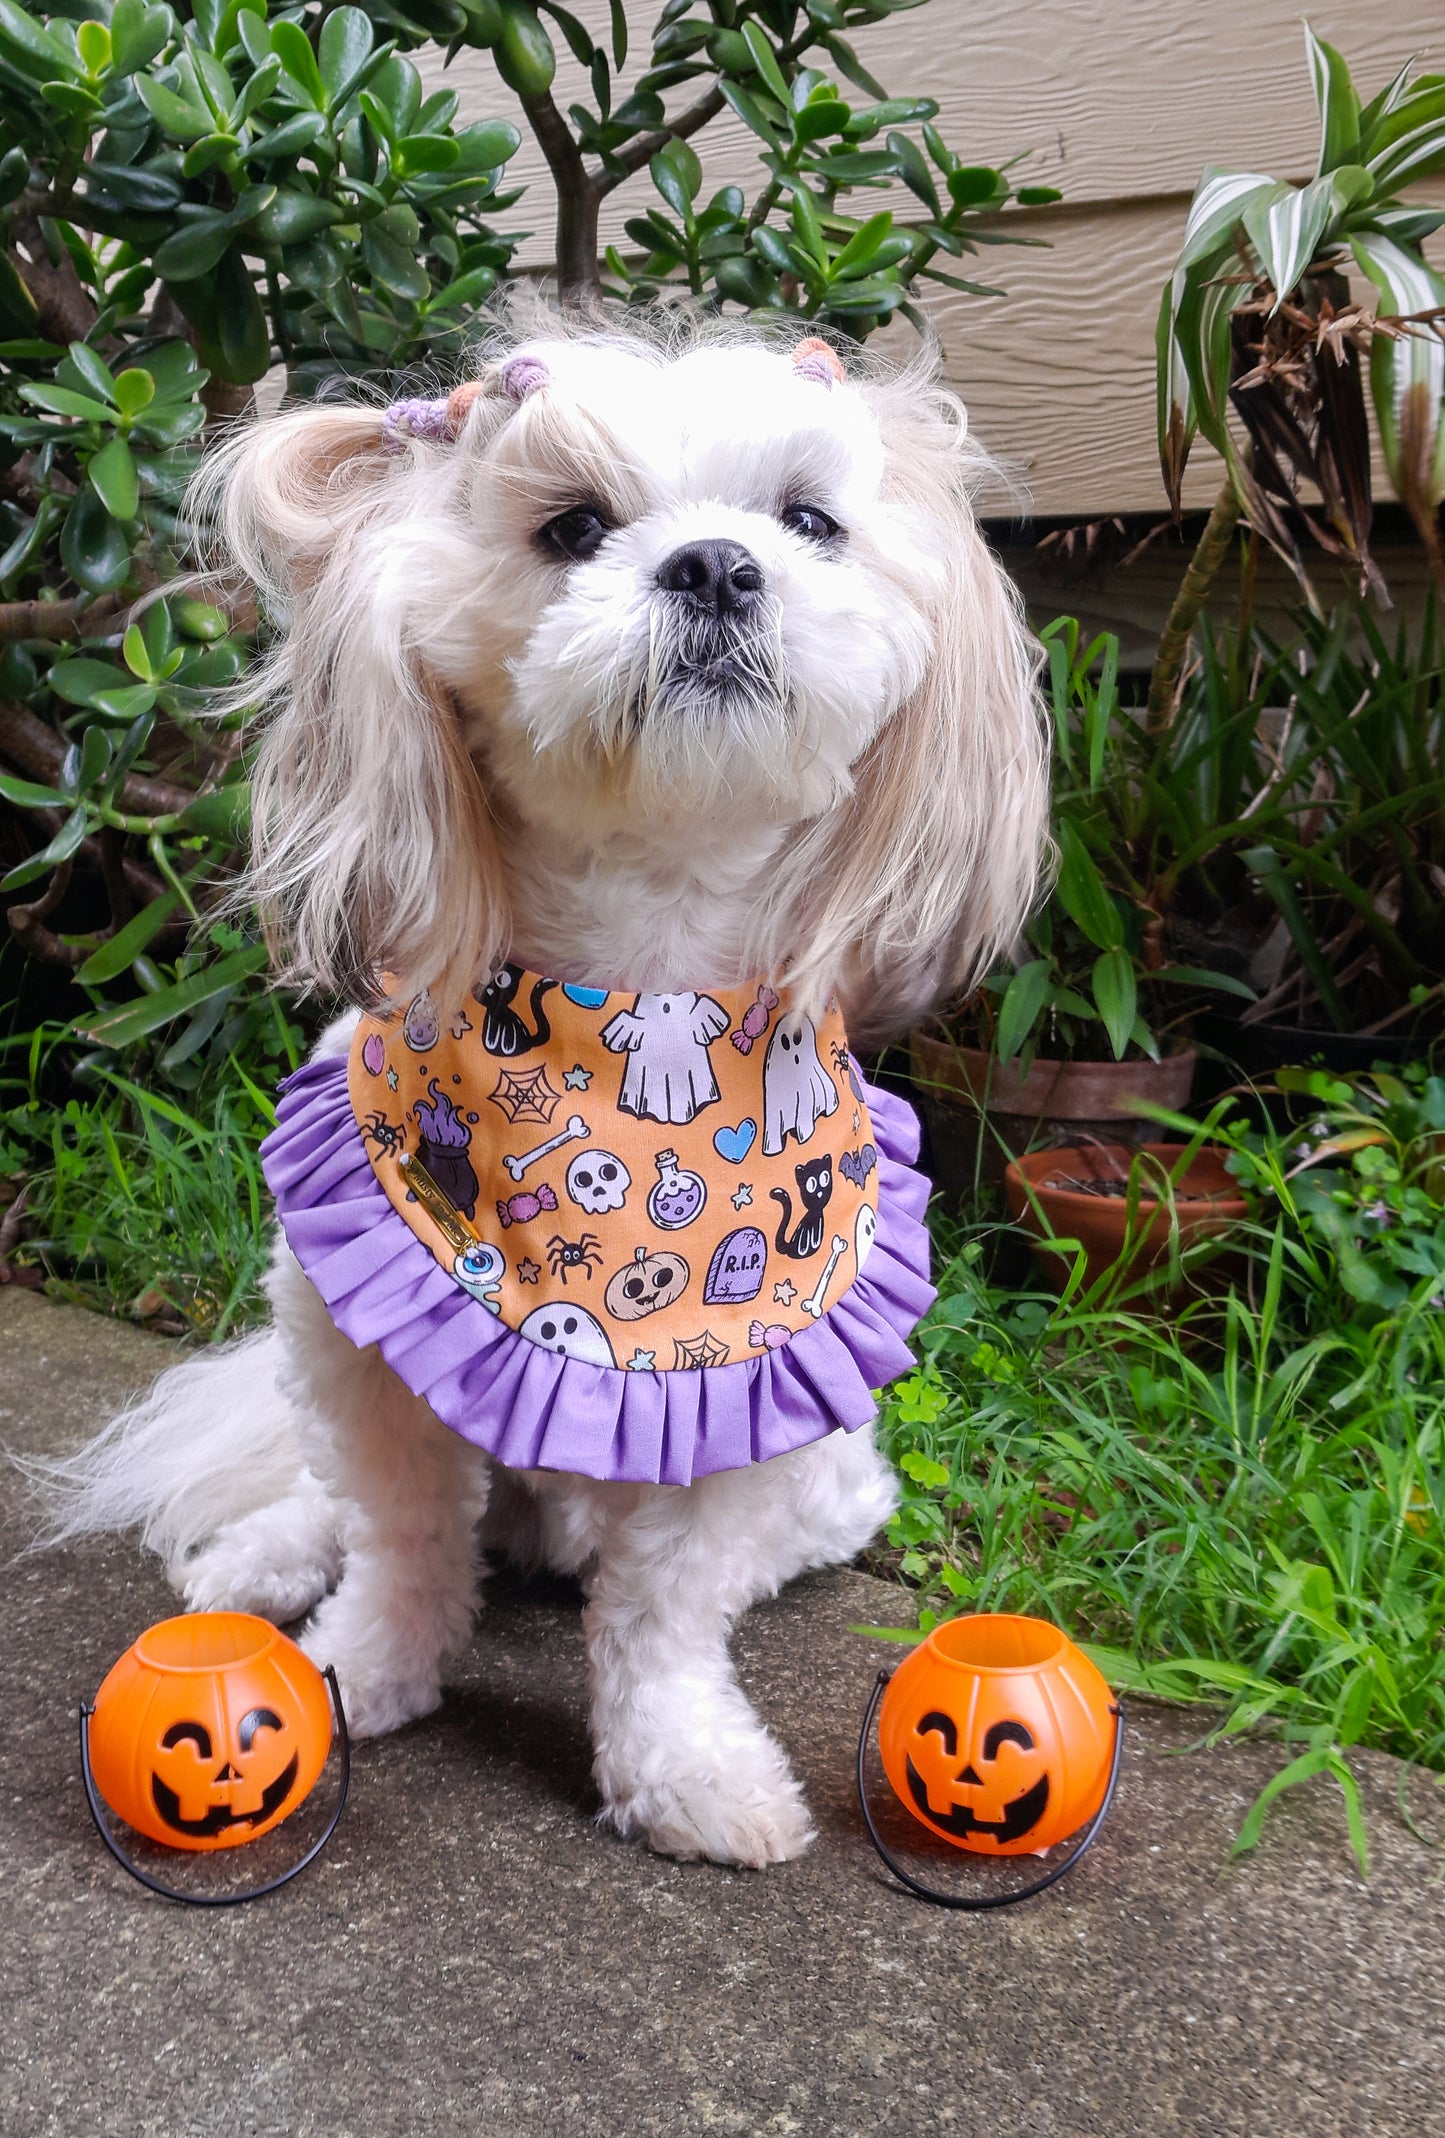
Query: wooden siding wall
<point x="1122" y="103"/>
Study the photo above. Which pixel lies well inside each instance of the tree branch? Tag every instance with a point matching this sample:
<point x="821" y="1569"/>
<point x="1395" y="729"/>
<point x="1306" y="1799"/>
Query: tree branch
<point x="40" y="751"/>
<point x="578" y="281"/>
<point x="60" y="619"/>
<point x="27" y="924"/>
<point x="641" y="152"/>
<point x="66" y="313"/>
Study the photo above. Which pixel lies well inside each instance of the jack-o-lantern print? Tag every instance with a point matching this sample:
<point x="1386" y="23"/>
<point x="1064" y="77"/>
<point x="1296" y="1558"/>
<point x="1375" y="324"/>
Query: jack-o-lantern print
<point x="209" y="1731"/>
<point x="998" y="1733"/>
<point x="646" y="1284"/>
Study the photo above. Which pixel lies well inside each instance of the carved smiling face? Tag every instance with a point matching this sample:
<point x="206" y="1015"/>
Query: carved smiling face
<point x="648" y="1282"/>
<point x="210" y="1731"/>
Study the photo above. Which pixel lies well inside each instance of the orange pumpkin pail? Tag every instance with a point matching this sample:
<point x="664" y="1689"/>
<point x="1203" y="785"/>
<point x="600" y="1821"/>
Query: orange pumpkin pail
<point x="208" y="1732"/>
<point x="1001" y="1737"/>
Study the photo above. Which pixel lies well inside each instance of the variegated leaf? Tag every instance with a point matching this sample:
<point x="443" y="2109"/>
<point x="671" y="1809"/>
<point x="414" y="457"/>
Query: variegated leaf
<point x="1380" y="107"/>
<point x="1286" y="229"/>
<point x="1174" y="394"/>
<point x="1339" y="107"/>
<point x="1407" y="373"/>
<point x="1407" y="226"/>
<point x="1409" y="143"/>
<point x="1220" y="200"/>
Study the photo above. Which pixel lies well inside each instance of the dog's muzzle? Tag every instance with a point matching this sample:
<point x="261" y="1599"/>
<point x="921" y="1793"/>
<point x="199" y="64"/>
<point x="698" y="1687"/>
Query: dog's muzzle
<point x="715" y="644"/>
<point x="714" y="578"/>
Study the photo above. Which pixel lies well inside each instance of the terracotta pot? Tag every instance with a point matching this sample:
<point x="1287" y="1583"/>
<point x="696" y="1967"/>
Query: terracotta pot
<point x="1207" y="1201"/>
<point x="982" y="1112"/>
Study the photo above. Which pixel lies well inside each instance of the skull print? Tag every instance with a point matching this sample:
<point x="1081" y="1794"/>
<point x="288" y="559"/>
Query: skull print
<point x="598" y="1181"/>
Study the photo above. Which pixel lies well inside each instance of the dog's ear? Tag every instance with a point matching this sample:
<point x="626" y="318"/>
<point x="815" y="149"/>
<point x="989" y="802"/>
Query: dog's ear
<point x="914" y="884"/>
<point x="373" y="847"/>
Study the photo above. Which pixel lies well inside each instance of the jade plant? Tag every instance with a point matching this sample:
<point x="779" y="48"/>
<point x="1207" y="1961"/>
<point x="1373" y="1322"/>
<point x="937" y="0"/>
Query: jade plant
<point x="196" y="196"/>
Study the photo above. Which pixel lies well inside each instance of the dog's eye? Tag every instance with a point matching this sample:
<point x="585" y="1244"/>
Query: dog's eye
<point x="576" y="534"/>
<point x="809" y="521"/>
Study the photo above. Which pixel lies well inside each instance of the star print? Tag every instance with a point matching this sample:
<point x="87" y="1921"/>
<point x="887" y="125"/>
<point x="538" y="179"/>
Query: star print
<point x="857" y="1120"/>
<point x="528" y="1271"/>
<point x="785" y="1293"/>
<point x="642" y="1362"/>
<point x="391" y="1078"/>
<point x="577" y="1078"/>
<point x="461" y="1027"/>
<point x="744" y="1195"/>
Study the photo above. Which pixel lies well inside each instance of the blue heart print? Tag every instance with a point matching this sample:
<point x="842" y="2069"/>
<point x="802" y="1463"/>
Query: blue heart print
<point x="735" y="1143"/>
<point x="586" y="998"/>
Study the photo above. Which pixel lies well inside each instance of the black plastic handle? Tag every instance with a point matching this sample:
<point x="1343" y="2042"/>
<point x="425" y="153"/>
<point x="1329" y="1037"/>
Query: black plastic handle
<point x="218" y="1900"/>
<point x="978" y="1903"/>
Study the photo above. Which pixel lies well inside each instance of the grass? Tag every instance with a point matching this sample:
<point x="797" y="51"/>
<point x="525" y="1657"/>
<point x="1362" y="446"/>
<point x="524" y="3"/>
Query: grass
<point x="139" y="1205"/>
<point x="1240" y="1502"/>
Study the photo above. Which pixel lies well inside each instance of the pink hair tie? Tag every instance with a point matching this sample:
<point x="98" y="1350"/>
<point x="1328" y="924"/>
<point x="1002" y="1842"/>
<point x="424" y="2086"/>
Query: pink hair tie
<point x="438" y="422"/>
<point x="815" y="361"/>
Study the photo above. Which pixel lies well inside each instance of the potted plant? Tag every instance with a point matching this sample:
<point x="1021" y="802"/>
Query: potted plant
<point x="1089" y="1021"/>
<point x="1130" y="1211"/>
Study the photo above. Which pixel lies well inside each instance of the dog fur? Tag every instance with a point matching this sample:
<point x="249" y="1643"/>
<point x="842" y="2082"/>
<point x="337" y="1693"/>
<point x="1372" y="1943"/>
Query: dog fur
<point x="475" y="749"/>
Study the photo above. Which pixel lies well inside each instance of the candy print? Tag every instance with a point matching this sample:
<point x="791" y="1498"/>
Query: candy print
<point x="521" y="1209"/>
<point x="755" y="1020"/>
<point x="602" y="1197"/>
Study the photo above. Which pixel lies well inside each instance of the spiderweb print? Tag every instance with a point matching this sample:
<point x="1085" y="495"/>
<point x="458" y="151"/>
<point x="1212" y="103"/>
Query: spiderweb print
<point x="698" y="1352"/>
<point x="526" y="1095"/>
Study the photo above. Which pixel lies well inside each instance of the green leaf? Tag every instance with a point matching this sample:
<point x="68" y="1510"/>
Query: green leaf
<point x="175" y="115"/>
<point x="863" y="248"/>
<point x="766" y="62"/>
<point x="137" y="34"/>
<point x="245" y="336"/>
<point x="135" y="389"/>
<point x="346" y="40"/>
<point x="1407" y="373"/>
<point x="94" y="547"/>
<point x="113" y="472"/>
<point x="1116" y="993"/>
<point x="60" y="401"/>
<point x="292" y="47"/>
<point x="94" y="373"/>
<point x="1080" y="890"/>
<point x="1337" y="103"/>
<point x="1219" y="202"/>
<point x="222" y="813"/>
<point x="1409" y="142"/>
<point x="1284" y="227"/>
<point x="123" y="1027"/>
<point x="1024" y="999"/>
<point x="619" y="34"/>
<point x="61" y="847"/>
<point x="27" y="795"/>
<point x="33" y="50"/>
<point x="194" y="249"/>
<point x="120" y="950"/>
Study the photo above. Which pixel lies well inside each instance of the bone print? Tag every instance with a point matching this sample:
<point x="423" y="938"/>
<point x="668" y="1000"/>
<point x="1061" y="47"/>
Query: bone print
<point x="575" y="1130"/>
<point x="813" y="1304"/>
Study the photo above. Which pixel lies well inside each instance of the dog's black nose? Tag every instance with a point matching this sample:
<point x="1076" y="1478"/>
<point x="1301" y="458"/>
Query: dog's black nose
<point x="720" y="576"/>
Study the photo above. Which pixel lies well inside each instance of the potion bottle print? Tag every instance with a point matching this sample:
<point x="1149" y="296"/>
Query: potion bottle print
<point x="677" y="1196"/>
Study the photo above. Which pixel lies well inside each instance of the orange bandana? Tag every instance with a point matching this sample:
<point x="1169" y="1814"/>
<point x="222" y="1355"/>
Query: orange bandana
<point x="658" y="1182"/>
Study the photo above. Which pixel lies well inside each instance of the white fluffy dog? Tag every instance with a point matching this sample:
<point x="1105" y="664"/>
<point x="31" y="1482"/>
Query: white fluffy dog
<point x="504" y="725"/>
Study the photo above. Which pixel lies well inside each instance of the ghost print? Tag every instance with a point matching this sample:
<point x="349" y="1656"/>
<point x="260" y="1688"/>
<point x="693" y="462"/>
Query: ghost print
<point x="668" y="1075"/>
<point x="798" y="1092"/>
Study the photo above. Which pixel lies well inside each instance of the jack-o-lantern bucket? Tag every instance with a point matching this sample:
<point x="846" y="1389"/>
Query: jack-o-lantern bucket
<point x="1001" y="1737"/>
<point x="209" y="1732"/>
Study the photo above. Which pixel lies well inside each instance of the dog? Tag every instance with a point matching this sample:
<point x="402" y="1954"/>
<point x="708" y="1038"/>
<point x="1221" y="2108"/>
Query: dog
<point x="657" y="658"/>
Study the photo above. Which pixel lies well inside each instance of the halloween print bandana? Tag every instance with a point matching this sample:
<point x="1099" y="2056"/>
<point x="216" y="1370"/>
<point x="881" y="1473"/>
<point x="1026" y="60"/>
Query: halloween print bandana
<point x="662" y="1182"/>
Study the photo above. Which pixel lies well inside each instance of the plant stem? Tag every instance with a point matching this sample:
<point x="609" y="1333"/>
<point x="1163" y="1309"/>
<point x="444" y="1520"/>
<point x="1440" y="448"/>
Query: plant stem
<point x="1210" y="552"/>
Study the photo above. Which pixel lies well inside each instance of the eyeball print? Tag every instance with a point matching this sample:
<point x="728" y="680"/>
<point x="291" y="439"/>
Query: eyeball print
<point x="479" y="1271"/>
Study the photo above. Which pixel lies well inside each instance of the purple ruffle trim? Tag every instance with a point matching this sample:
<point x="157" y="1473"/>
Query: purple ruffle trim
<point x="536" y="1410"/>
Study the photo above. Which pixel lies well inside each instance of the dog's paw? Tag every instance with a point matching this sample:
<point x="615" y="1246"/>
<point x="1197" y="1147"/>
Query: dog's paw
<point x="375" y="1700"/>
<point x="750" y="1813"/>
<point x="258" y="1565"/>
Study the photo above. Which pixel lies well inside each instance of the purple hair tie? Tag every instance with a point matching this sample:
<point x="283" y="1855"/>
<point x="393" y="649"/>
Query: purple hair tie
<point x="522" y="375"/>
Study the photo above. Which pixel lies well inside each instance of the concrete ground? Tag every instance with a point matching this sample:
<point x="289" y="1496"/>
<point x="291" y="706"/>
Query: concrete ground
<point x="473" y="1956"/>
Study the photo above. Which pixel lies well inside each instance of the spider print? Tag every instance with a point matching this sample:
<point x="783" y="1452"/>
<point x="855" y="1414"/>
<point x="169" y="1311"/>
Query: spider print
<point x="584" y="1254"/>
<point x="386" y="1135"/>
